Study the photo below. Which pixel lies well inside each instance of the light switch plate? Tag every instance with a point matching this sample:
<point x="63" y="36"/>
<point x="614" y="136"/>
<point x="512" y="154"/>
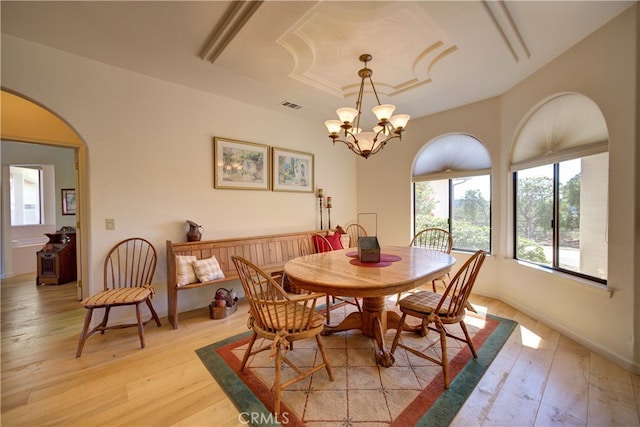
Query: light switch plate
<point x="110" y="223"/>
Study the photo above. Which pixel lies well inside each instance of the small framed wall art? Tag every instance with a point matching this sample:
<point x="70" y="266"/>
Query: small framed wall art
<point x="68" y="201"/>
<point x="292" y="170"/>
<point x="240" y="165"/>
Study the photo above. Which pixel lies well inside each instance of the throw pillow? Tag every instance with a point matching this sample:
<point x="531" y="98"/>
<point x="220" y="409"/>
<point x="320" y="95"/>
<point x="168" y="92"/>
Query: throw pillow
<point x="345" y="241"/>
<point x="208" y="269"/>
<point x="320" y="244"/>
<point x="334" y="240"/>
<point x="184" y="267"/>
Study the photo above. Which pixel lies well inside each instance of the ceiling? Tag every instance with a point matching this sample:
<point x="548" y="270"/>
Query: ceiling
<point x="428" y="56"/>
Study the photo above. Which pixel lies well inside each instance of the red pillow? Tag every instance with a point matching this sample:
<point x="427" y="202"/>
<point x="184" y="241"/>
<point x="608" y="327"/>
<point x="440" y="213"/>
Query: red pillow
<point x="321" y="245"/>
<point x="335" y="241"/>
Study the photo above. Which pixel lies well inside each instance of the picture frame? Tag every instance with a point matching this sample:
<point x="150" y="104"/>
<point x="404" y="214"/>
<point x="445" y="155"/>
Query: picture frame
<point x="68" y="201"/>
<point x="240" y="165"/>
<point x="292" y="170"/>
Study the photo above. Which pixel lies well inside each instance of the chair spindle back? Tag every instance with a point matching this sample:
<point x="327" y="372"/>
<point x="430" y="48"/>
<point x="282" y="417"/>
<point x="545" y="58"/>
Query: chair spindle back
<point x="306" y="246"/>
<point x="459" y="289"/>
<point x="354" y="231"/>
<point x="433" y="238"/>
<point x="269" y="304"/>
<point x="320" y="243"/>
<point x="131" y="263"/>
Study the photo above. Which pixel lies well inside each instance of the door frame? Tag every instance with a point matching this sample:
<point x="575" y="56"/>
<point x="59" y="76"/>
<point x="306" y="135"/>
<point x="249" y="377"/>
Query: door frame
<point x="46" y="127"/>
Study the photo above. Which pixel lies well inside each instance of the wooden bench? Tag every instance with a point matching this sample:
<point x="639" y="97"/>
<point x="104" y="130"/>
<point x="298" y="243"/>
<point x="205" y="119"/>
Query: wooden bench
<point x="269" y="252"/>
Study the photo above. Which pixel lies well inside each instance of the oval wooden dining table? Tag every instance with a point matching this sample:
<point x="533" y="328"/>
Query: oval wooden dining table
<point x="341" y="273"/>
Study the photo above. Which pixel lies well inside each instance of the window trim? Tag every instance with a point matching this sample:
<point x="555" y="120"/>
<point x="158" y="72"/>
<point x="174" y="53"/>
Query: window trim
<point x="580" y="281"/>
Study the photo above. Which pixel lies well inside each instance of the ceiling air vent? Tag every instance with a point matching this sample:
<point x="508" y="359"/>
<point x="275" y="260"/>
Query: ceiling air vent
<point x="291" y="105"/>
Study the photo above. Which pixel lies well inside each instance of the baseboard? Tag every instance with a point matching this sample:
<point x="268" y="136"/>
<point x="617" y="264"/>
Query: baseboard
<point x="621" y="361"/>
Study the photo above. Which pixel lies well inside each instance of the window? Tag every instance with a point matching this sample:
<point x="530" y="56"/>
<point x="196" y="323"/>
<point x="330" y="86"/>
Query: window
<point x="452" y="190"/>
<point x="461" y="205"/>
<point x="25" y="193"/>
<point x="561" y="215"/>
<point x="560" y="165"/>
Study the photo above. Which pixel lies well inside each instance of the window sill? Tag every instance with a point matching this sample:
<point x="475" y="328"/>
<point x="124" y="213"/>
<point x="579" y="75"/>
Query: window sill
<point x="583" y="283"/>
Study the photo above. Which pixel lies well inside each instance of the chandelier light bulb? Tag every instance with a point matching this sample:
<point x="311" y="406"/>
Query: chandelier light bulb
<point x="347" y="114"/>
<point x="366" y="141"/>
<point x="383" y="129"/>
<point x="333" y="126"/>
<point x="399" y="121"/>
<point x="383" y="112"/>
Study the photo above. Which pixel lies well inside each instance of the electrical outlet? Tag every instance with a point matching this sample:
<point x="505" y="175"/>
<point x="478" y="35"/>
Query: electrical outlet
<point x="110" y="223"/>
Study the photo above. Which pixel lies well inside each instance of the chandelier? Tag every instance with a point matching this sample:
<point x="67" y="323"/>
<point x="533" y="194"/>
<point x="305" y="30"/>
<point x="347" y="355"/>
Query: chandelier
<point x="366" y="143"/>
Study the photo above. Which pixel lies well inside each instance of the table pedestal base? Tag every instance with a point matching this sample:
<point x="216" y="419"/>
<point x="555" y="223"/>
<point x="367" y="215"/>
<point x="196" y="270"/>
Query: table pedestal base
<point x="374" y="321"/>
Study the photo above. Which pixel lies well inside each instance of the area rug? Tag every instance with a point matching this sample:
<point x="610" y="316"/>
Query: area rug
<point x="411" y="392"/>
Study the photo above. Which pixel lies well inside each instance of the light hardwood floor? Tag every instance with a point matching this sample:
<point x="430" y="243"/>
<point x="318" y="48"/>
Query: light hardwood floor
<point x="539" y="377"/>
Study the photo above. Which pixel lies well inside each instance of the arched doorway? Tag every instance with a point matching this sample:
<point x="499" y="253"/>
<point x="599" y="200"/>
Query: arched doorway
<point x="24" y="120"/>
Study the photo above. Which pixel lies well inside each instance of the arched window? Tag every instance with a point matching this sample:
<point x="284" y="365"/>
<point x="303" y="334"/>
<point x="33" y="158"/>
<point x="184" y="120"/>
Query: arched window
<point x="560" y="169"/>
<point x="452" y="190"/>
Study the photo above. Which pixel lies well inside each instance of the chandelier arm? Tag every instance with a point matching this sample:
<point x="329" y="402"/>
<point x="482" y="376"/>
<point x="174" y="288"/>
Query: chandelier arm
<point x="349" y="144"/>
<point x="375" y="92"/>
<point x="359" y="104"/>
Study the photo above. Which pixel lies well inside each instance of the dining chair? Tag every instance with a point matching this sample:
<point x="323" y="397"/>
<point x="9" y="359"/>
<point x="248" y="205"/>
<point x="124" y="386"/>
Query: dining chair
<point x="280" y="319"/>
<point x="354" y="231"/>
<point x="322" y="244"/>
<point x="436" y="239"/>
<point x="437" y="310"/>
<point x="128" y="272"/>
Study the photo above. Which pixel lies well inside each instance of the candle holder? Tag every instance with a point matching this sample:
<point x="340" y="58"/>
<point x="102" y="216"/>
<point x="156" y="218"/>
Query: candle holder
<point x="320" y="199"/>
<point x="329" y="206"/>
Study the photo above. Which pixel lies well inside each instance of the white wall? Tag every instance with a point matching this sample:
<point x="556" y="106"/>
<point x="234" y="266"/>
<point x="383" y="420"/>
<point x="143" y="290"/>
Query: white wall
<point x="150" y="148"/>
<point x="603" y="67"/>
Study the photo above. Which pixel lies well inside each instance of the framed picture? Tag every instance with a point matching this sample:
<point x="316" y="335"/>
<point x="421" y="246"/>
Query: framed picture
<point x="292" y="170"/>
<point x="68" y="201"/>
<point x="240" y="165"/>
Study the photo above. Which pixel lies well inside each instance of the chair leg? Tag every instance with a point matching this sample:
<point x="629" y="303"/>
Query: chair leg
<point x="153" y="312"/>
<point x="469" y="340"/>
<point x="398" y="298"/>
<point x="105" y="319"/>
<point x="277" y="386"/>
<point x="85" y="331"/>
<point x="328" y="309"/>
<point x="247" y="353"/>
<point x="445" y="359"/>
<point x="140" y="326"/>
<point x="396" y="339"/>
<point x="325" y="359"/>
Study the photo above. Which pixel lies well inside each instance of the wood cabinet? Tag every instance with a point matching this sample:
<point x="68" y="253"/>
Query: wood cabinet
<point x="57" y="263"/>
